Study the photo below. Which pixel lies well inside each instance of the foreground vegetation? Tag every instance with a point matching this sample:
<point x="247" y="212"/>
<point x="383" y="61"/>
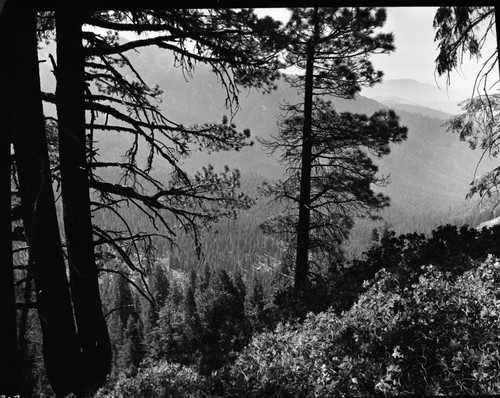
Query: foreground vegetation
<point x="426" y="324"/>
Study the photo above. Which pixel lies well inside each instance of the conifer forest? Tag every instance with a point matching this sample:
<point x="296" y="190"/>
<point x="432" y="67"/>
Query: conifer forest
<point x="208" y="202"/>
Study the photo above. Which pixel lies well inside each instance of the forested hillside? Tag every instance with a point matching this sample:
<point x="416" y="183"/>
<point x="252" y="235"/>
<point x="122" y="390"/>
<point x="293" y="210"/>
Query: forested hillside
<point x="432" y="166"/>
<point x="429" y="173"/>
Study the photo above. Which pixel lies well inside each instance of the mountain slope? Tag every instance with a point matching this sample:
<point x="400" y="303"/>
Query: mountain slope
<point x="412" y="92"/>
<point x="432" y="169"/>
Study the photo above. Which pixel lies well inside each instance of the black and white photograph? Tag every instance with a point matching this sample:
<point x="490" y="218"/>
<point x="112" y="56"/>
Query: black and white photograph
<point x="248" y="202"/>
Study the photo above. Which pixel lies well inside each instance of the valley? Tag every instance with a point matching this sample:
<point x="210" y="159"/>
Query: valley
<point x="429" y="173"/>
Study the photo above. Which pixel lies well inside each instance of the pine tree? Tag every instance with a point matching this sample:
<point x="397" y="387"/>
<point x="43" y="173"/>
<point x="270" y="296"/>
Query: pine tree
<point x="159" y="285"/>
<point x="122" y="311"/>
<point x="464" y="30"/>
<point x="238" y="46"/>
<point x="255" y="305"/>
<point x="167" y="339"/>
<point x="95" y="345"/>
<point x="25" y="126"/>
<point x="328" y="177"/>
<point x="239" y="284"/>
<point x="131" y="352"/>
<point x="10" y="380"/>
<point x="192" y="324"/>
<point x="205" y="278"/>
<point x="240" y="49"/>
<point x="226" y="328"/>
<point x="123" y="299"/>
<point x="149" y="319"/>
<point x="457" y="34"/>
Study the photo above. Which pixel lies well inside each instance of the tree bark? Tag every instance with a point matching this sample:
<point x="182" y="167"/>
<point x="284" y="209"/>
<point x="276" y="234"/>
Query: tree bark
<point x="303" y="240"/>
<point x="10" y="378"/>
<point x="497" y="29"/>
<point x="60" y="349"/>
<point x="92" y="330"/>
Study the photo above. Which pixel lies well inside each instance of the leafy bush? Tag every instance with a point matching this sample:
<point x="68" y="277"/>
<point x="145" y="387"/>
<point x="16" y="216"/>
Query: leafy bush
<point x="450" y="249"/>
<point x="437" y="336"/>
<point x="163" y="380"/>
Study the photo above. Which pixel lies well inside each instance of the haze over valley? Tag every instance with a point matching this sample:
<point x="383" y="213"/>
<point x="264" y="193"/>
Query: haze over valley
<point x="429" y="173"/>
<point x="432" y="169"/>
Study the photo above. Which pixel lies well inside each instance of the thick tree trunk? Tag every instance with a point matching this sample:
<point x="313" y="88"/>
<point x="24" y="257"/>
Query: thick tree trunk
<point x="497" y="28"/>
<point x="9" y="379"/>
<point x="92" y="331"/>
<point x="60" y="348"/>
<point x="302" y="259"/>
<point x="303" y="225"/>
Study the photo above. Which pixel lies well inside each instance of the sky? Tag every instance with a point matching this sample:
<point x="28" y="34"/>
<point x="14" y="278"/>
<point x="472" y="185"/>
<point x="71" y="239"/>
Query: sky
<point x="415" y="48"/>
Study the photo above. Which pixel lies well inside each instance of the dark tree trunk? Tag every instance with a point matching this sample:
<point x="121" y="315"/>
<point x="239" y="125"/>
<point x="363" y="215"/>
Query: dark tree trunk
<point x="302" y="258"/>
<point x="92" y="331"/>
<point x="9" y="379"/>
<point x="497" y="28"/>
<point x="60" y="348"/>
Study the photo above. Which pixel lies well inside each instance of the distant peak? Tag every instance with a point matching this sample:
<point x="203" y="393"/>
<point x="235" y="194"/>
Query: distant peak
<point x="408" y="81"/>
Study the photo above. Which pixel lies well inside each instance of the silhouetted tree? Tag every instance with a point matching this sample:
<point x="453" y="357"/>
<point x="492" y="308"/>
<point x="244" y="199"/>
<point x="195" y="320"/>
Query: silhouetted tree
<point x="93" y="335"/>
<point x="463" y="30"/>
<point x="10" y="378"/>
<point x="240" y="49"/>
<point x="238" y="46"/>
<point x="27" y="128"/>
<point x="328" y="176"/>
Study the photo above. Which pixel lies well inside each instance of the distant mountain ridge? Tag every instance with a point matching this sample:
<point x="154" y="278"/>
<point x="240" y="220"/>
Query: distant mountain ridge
<point x="413" y="92"/>
<point x="423" y="110"/>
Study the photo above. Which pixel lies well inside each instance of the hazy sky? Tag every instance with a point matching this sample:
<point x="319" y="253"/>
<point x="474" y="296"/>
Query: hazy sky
<point x="415" y="48"/>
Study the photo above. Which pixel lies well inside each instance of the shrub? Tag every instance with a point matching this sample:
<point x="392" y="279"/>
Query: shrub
<point x="163" y="380"/>
<point x="450" y="249"/>
<point x="439" y="336"/>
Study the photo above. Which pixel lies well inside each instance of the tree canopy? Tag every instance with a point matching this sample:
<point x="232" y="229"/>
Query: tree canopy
<point x="463" y="30"/>
<point x="460" y="31"/>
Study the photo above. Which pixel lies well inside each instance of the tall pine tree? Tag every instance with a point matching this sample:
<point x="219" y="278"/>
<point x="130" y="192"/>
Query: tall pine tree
<point x="27" y="128"/>
<point x="93" y="335"/>
<point x="240" y="49"/>
<point x="326" y="171"/>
